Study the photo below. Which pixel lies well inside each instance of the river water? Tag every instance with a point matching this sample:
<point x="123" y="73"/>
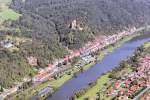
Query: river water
<point x="109" y="62"/>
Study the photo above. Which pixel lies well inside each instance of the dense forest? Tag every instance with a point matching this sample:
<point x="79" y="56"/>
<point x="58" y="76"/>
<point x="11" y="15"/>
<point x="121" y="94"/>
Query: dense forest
<point x="12" y="68"/>
<point x="50" y="20"/>
<point x="56" y="24"/>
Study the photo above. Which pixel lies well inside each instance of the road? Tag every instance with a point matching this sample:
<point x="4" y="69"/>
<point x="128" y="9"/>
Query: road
<point x="144" y="91"/>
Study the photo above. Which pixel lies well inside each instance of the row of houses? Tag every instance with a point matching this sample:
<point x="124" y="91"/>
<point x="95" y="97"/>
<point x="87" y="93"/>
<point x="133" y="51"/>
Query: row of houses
<point x="135" y="82"/>
<point x="92" y="46"/>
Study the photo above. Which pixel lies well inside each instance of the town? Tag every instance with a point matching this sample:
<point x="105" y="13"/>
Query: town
<point x="54" y="68"/>
<point x="74" y="49"/>
<point x="134" y="83"/>
<point x="129" y="81"/>
<point x="97" y="44"/>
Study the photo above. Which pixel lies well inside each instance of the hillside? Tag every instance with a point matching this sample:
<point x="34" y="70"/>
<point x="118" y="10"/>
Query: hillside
<point x="53" y="25"/>
<point x="71" y="23"/>
<point x="55" y="18"/>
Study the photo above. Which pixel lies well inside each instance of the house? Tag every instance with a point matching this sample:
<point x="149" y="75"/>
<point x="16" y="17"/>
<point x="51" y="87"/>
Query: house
<point x="75" y="53"/>
<point x="75" y="26"/>
<point x="50" y="67"/>
<point x="132" y="30"/>
<point x="42" y="77"/>
<point x="32" y="60"/>
<point x="66" y="58"/>
<point x="46" y="73"/>
<point x="7" y="44"/>
<point x="133" y="82"/>
<point x="45" y="91"/>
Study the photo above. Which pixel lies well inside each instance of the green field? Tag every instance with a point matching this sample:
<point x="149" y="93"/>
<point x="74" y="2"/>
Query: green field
<point x="100" y="84"/>
<point x="5" y="1"/>
<point x="146" y="45"/>
<point x="9" y="14"/>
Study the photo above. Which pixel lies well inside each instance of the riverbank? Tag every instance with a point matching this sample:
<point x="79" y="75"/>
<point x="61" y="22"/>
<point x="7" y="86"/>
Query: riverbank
<point x="110" y="48"/>
<point x="100" y="56"/>
<point x="92" y="92"/>
<point x="99" y="90"/>
<point x="55" y="84"/>
<point x="60" y="81"/>
<point x="103" y="89"/>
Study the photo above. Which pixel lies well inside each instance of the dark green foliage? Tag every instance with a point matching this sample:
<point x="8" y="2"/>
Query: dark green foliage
<point x="13" y="68"/>
<point x="1" y="89"/>
<point x="86" y="98"/>
<point x="43" y="51"/>
<point x="75" y="60"/>
<point x="48" y="23"/>
<point x="92" y="84"/>
<point x="81" y="92"/>
<point x="51" y="19"/>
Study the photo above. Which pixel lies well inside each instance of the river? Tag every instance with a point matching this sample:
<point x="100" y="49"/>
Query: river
<point x="109" y="62"/>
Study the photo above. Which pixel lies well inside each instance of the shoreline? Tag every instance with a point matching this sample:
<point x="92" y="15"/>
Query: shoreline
<point x="97" y="89"/>
<point x="101" y="55"/>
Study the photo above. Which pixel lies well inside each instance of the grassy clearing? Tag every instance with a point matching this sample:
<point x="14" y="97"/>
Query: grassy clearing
<point x="86" y="67"/>
<point x="9" y="14"/>
<point x="146" y="45"/>
<point x="6" y="13"/>
<point x="124" y="71"/>
<point x="16" y="41"/>
<point x="5" y="1"/>
<point x="59" y="82"/>
<point x="100" y="84"/>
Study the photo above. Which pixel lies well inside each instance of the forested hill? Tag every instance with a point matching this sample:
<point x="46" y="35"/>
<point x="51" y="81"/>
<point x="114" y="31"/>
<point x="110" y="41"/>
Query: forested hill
<point x="48" y="26"/>
<point x="52" y="18"/>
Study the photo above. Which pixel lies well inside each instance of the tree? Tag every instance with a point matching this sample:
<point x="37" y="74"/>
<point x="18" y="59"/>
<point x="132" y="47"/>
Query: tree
<point x="86" y="98"/>
<point x="81" y="69"/>
<point x="1" y="89"/>
<point x="75" y="75"/>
